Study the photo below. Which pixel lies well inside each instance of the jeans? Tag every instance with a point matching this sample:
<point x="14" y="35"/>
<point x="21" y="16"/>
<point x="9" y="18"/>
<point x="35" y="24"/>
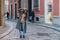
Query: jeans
<point x="22" y="29"/>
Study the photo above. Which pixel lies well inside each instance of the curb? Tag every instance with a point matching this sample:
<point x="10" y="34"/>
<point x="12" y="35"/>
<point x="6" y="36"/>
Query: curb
<point x="7" y="32"/>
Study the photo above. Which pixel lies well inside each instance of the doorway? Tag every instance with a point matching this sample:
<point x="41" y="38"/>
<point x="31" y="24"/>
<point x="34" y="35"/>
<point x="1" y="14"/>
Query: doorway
<point x="29" y="8"/>
<point x="48" y="11"/>
<point x="11" y="15"/>
<point x="15" y="11"/>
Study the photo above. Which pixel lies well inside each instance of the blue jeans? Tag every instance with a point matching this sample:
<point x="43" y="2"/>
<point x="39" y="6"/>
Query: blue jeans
<point x="22" y="29"/>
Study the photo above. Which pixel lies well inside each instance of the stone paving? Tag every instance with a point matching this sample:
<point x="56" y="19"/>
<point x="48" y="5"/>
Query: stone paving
<point x="34" y="32"/>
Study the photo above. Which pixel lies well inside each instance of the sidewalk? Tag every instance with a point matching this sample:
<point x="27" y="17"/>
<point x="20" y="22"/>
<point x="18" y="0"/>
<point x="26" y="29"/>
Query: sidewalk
<point x="55" y="27"/>
<point x="9" y="27"/>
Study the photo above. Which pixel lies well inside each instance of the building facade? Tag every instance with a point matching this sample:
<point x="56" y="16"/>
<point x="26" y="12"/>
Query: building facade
<point x="14" y="5"/>
<point x="48" y="11"/>
<point x="45" y="8"/>
<point x="13" y="8"/>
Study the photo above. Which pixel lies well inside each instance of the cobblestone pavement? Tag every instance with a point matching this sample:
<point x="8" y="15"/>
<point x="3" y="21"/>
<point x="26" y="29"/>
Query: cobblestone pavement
<point x="34" y="32"/>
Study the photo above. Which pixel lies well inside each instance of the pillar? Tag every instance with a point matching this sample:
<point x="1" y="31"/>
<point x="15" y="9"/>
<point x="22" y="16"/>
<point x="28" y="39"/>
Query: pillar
<point x="2" y="22"/>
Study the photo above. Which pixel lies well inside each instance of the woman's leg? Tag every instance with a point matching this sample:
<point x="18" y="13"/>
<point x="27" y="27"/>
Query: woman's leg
<point x="21" y="29"/>
<point x="25" y="27"/>
<point x="24" y="30"/>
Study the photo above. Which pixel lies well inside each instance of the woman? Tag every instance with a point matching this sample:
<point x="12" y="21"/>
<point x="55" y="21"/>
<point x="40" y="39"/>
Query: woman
<point x="23" y="24"/>
<point x="7" y="15"/>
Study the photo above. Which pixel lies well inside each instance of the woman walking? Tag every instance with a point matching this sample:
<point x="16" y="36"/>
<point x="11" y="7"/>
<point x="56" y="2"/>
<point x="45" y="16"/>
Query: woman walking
<point x="7" y="15"/>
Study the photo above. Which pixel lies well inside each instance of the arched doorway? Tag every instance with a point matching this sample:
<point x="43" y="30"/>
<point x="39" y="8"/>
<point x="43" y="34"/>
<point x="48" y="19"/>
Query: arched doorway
<point x="48" y="11"/>
<point x="11" y="15"/>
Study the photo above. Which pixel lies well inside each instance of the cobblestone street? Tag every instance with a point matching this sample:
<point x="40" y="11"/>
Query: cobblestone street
<point x="34" y="32"/>
<point x="39" y="19"/>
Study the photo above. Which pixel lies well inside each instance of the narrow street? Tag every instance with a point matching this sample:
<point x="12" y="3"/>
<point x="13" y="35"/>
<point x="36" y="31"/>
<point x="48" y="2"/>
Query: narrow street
<point x="42" y="18"/>
<point x="34" y="32"/>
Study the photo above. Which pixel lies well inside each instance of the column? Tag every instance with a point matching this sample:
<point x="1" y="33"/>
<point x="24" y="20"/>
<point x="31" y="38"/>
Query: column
<point x="2" y="22"/>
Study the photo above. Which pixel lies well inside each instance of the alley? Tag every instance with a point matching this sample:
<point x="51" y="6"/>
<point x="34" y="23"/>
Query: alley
<point x="34" y="32"/>
<point x="42" y="18"/>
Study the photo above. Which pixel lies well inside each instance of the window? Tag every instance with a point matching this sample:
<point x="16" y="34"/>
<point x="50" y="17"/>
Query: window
<point x="36" y="4"/>
<point x="14" y="0"/>
<point x="50" y="8"/>
<point x="10" y="1"/>
<point x="19" y="3"/>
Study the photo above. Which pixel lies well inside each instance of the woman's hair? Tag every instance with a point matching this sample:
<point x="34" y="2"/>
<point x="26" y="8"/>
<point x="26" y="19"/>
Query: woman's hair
<point x="23" y="11"/>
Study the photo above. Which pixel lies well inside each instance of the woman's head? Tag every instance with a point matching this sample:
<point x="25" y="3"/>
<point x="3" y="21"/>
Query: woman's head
<point x="23" y="11"/>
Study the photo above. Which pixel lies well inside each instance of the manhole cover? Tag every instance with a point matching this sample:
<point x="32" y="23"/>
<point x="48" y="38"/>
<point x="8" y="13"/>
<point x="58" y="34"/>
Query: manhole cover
<point x="42" y="34"/>
<point x="47" y="39"/>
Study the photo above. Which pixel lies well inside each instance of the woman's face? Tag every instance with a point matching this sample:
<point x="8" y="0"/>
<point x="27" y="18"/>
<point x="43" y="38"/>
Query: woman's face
<point x="25" y="11"/>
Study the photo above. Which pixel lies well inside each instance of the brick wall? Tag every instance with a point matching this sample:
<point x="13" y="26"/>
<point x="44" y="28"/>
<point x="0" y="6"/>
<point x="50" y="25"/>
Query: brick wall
<point x="24" y="4"/>
<point x="56" y="7"/>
